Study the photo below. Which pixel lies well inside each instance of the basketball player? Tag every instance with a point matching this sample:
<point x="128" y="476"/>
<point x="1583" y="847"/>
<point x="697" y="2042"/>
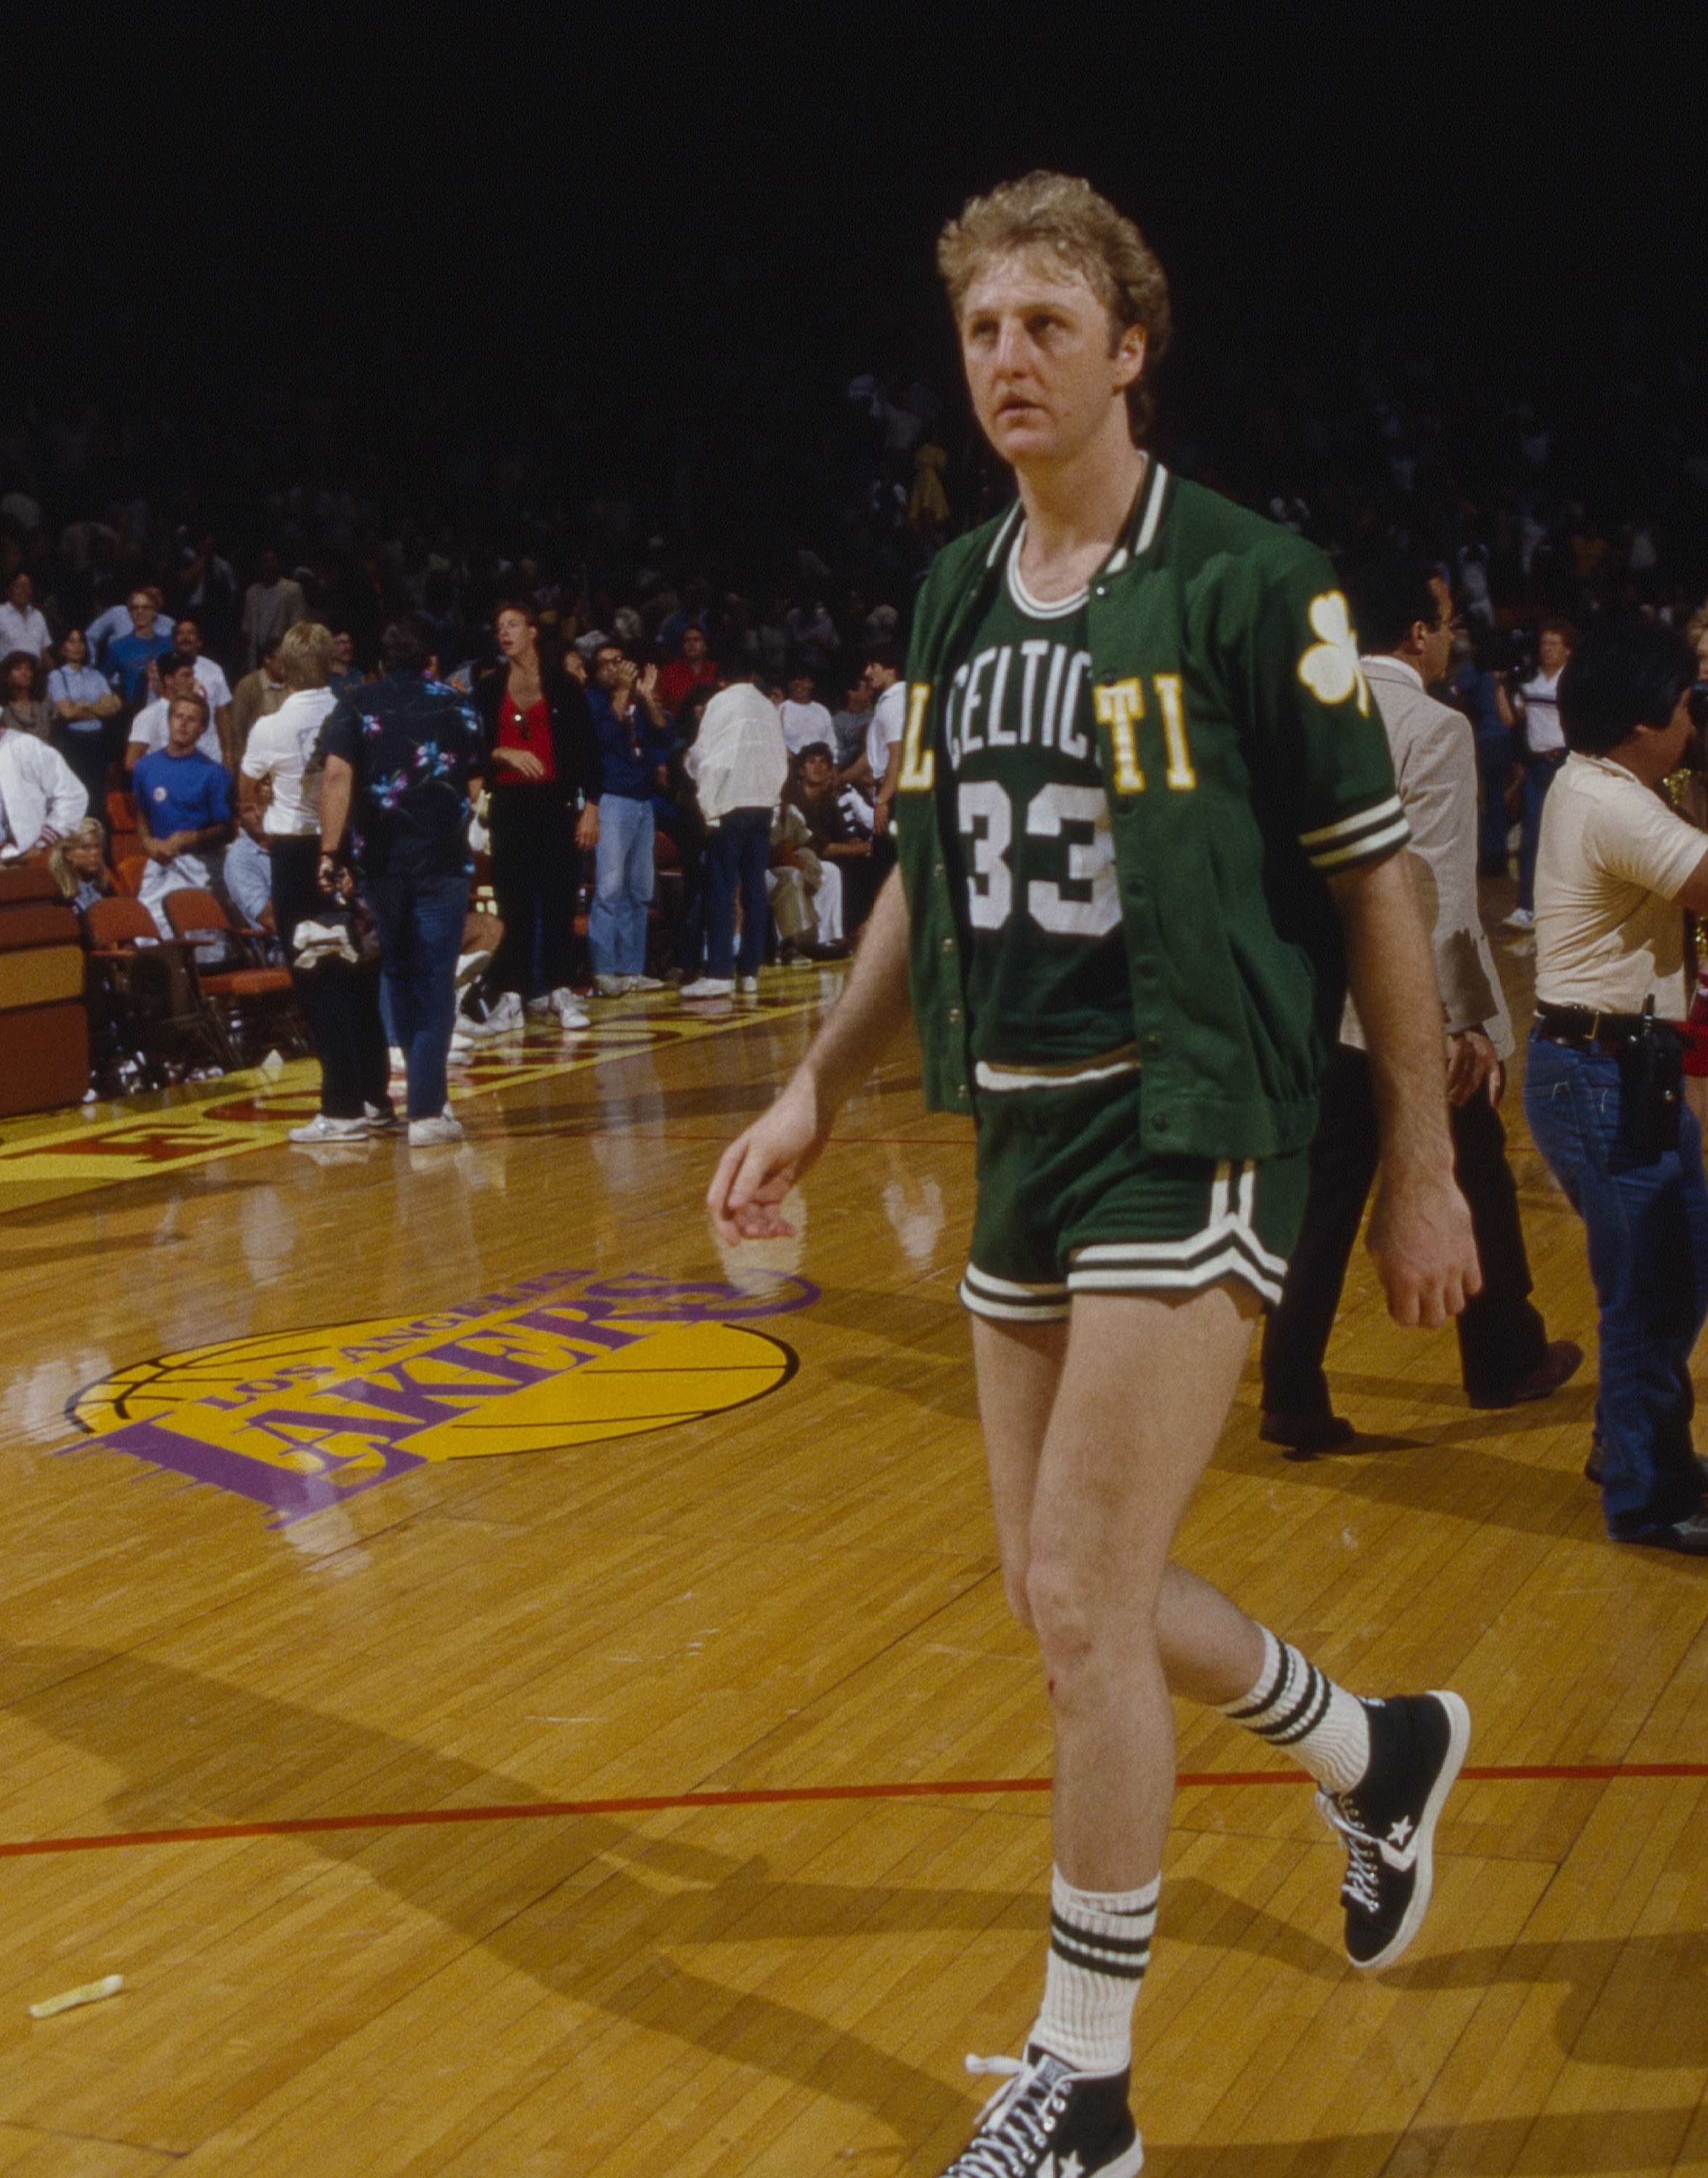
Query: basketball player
<point x="1145" y="810"/>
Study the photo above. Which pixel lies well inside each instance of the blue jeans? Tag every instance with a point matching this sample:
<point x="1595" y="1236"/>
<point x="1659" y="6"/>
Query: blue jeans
<point x="1539" y="777"/>
<point x="1494" y="758"/>
<point x="420" y="921"/>
<point x="1647" y="1224"/>
<point x="616" y="928"/>
<point x="738" y="853"/>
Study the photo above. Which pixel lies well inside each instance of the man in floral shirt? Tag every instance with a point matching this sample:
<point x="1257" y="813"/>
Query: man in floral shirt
<point x="401" y="755"/>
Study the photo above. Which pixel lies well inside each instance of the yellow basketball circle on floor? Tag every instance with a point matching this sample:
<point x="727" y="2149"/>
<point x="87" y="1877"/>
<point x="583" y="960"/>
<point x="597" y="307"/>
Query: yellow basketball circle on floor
<point x="299" y="1420"/>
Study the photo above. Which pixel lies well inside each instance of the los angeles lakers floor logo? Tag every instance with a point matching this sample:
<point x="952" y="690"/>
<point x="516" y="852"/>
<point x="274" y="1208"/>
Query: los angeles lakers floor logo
<point x="299" y="1420"/>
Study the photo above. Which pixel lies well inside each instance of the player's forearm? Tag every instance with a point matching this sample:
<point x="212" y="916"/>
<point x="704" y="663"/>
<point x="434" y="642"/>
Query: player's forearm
<point x="869" y="1011"/>
<point x="1392" y="976"/>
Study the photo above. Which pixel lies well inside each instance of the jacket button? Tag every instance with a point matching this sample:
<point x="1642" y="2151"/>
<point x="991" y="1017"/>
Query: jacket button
<point x="938" y="870"/>
<point x="1155" y="1046"/>
<point x="955" y="1015"/>
<point x="949" y="948"/>
<point x="961" y="1090"/>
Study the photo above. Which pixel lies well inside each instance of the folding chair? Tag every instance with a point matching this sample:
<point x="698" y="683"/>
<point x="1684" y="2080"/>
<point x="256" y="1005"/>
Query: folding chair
<point x="148" y="1013"/>
<point x="255" y="996"/>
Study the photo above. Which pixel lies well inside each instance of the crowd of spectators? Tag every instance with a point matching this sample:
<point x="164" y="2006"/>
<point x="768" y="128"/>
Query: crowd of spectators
<point x="129" y="594"/>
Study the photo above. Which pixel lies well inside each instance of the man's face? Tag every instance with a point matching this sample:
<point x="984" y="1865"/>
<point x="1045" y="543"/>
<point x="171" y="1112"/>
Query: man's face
<point x="270" y="665"/>
<point x="607" y="665"/>
<point x="1552" y="653"/>
<point x="140" y="607"/>
<point x="693" y="645"/>
<point x="21" y="591"/>
<point x="815" y="773"/>
<point x="1437" y="649"/>
<point x="182" y="728"/>
<point x="511" y="631"/>
<point x="1036" y="343"/>
<point x="800" y="688"/>
<point x="344" y="650"/>
<point x="186" y="639"/>
<point x="879" y="677"/>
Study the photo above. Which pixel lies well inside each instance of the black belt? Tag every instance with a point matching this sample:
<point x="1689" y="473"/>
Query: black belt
<point x="1581" y="1028"/>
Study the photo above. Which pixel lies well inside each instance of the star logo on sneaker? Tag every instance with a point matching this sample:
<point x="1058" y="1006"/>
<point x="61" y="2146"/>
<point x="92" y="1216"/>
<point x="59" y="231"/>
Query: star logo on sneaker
<point x="1400" y="1831"/>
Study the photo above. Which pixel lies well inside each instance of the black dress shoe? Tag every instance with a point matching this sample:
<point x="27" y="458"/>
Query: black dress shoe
<point x="1306" y="1433"/>
<point x="1592" y="1466"/>
<point x="1558" y="1366"/>
<point x="1689" y="1536"/>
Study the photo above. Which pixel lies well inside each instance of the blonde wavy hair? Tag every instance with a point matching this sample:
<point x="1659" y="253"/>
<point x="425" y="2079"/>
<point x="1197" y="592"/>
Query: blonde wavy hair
<point x="307" y="654"/>
<point x="1063" y="217"/>
<point x="60" y="869"/>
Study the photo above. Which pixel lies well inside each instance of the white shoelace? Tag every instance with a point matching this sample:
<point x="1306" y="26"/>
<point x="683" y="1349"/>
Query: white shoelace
<point x="1363" y="1853"/>
<point x="988" y="2154"/>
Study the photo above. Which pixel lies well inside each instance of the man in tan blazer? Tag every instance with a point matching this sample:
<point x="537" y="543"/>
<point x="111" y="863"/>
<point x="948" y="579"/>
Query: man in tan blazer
<point x="1404" y="617"/>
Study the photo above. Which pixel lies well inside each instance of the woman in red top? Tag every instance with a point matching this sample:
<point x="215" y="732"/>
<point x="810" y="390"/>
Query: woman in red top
<point x="545" y="783"/>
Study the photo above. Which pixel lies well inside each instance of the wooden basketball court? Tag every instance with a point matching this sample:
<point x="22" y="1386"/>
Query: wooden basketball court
<point x="515" y="1692"/>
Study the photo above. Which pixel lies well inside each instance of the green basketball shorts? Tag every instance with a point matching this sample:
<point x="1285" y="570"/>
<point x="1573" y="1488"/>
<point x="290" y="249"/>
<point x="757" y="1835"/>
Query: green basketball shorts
<point x="1067" y="1205"/>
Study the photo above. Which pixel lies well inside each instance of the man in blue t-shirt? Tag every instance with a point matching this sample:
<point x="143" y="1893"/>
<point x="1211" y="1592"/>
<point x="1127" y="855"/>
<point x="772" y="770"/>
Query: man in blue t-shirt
<point x="183" y="808"/>
<point x="129" y="656"/>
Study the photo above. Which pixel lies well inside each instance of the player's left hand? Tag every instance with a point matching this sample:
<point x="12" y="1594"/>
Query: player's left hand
<point x="1423" y="1249"/>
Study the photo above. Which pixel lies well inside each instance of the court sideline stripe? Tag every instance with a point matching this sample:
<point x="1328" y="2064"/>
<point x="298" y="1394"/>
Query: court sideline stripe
<point x="411" y="1818"/>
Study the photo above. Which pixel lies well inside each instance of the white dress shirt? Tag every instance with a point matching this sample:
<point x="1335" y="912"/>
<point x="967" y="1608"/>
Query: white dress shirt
<point x="738" y="761"/>
<point x="22" y="631"/>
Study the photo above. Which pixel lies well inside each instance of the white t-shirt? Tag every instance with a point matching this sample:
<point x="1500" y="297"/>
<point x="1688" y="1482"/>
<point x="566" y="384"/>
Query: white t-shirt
<point x="1543" y="732"/>
<point x="1610" y="864"/>
<point x="211" y="679"/>
<point x="149" y="727"/>
<point x="281" y="748"/>
<point x="888" y="724"/>
<point x="804" y="723"/>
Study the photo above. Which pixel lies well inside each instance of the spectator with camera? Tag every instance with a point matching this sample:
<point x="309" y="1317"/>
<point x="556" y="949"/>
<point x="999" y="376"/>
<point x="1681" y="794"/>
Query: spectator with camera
<point x="1615" y="869"/>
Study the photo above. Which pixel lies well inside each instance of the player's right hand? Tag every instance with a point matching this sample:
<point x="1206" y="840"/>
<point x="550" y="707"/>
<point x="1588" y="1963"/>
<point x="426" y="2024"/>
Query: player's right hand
<point x="759" y="1167"/>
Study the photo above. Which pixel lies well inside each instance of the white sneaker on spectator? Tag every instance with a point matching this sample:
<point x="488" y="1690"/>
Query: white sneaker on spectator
<point x="571" y="1012"/>
<point x="504" y="1020"/>
<point x="468" y="967"/>
<point x="425" y="1134"/>
<point x="748" y="985"/>
<point x="610" y="986"/>
<point x="1520" y="919"/>
<point x="644" y="983"/>
<point x="399" y="1063"/>
<point x="320" y="1128"/>
<point x="543" y="1004"/>
<point x="709" y="986"/>
<point x="382" y="1120"/>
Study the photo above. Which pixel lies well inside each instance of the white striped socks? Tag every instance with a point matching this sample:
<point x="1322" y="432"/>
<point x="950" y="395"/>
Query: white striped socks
<point x="1294" y="1705"/>
<point x="1100" y="1947"/>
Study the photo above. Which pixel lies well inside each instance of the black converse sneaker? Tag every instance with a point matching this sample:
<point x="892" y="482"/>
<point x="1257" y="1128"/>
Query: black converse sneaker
<point x="1049" y="2122"/>
<point x="1417" y="1743"/>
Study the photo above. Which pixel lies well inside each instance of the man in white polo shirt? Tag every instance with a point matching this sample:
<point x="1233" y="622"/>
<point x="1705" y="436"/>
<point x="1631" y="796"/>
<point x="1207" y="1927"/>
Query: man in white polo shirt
<point x="1615" y="869"/>
<point x="1542" y="743"/>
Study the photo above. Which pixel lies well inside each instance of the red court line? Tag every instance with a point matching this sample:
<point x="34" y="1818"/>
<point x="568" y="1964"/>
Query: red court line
<point x="534" y="1810"/>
